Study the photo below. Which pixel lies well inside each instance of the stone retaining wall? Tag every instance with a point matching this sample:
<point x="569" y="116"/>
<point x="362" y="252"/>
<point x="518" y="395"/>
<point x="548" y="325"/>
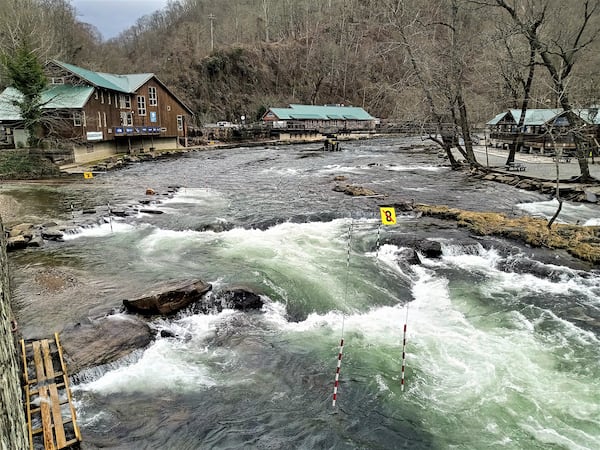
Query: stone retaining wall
<point x="13" y="427"/>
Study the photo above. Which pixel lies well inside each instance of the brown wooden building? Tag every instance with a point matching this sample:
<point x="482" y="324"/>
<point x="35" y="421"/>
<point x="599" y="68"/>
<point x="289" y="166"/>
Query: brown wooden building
<point x="98" y="114"/>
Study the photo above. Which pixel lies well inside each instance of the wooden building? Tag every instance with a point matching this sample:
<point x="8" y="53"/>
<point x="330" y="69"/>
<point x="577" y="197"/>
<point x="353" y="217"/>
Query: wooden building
<point x="547" y="130"/>
<point x="97" y="114"/>
<point x="322" y="119"/>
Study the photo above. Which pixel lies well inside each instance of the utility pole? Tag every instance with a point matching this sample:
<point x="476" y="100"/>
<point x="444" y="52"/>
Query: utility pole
<point x="211" y="17"/>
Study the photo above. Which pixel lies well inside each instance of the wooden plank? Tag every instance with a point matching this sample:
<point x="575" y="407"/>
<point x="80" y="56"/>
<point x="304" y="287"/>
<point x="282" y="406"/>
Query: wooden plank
<point x="25" y="374"/>
<point x="46" y="419"/>
<point x="39" y="364"/>
<point x="59" y="429"/>
<point x="67" y="389"/>
<point x="49" y="368"/>
<point x="28" y="405"/>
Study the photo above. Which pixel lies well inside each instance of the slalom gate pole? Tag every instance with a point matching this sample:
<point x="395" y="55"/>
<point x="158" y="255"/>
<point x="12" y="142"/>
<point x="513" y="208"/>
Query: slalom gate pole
<point x="404" y="351"/>
<point x="378" y="241"/>
<point x="341" y="352"/>
<point x="337" y="372"/>
<point x="110" y="217"/>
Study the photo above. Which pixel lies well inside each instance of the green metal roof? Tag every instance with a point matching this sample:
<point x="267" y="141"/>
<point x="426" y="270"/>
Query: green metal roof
<point x="352" y="112"/>
<point x="536" y="116"/>
<point x="281" y="113"/>
<point x="66" y="96"/>
<point x="56" y="97"/>
<point x="312" y="112"/>
<point x="543" y="116"/>
<point x="121" y="83"/>
<point x="497" y="118"/>
<point x="589" y="115"/>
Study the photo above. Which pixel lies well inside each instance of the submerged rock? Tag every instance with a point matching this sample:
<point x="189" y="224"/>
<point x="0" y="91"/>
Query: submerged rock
<point x="355" y="191"/>
<point x="240" y="298"/>
<point x="430" y="249"/>
<point x="168" y="299"/>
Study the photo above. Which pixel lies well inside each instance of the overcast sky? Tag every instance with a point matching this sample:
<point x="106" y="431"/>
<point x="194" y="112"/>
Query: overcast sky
<point x="113" y="16"/>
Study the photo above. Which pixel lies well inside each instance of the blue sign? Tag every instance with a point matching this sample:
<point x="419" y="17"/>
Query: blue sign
<point x="118" y="130"/>
<point x="153" y="116"/>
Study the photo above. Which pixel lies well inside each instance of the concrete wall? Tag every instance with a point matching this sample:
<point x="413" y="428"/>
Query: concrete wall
<point x="106" y="149"/>
<point x="94" y="152"/>
<point x="13" y="428"/>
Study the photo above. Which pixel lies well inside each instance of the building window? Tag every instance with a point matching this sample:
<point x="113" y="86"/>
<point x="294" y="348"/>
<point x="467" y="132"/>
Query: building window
<point x="109" y="97"/>
<point x="101" y="96"/>
<point x="152" y="98"/>
<point x="77" y="119"/>
<point x="126" y="119"/>
<point x="96" y="94"/>
<point x="125" y="101"/>
<point x="180" y="123"/>
<point x="141" y="104"/>
<point x="104" y="116"/>
<point x="99" y="120"/>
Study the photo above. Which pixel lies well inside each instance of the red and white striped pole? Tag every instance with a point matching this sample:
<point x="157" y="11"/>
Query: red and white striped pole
<point x="341" y="352"/>
<point x="337" y="372"/>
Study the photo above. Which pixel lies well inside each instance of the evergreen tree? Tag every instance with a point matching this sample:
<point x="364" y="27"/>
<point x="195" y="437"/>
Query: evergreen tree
<point x="23" y="71"/>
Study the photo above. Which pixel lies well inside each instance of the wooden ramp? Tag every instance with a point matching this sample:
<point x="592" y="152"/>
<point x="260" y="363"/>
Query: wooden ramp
<point x="50" y="412"/>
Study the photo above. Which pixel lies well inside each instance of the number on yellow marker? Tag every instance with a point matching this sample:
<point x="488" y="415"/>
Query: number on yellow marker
<point x="388" y="215"/>
<point x="88" y="175"/>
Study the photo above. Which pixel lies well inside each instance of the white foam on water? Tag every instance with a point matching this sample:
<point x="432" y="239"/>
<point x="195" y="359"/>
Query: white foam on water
<point x="335" y="168"/>
<point x="570" y="212"/>
<point x="417" y="168"/>
<point x="466" y="369"/>
<point x="473" y="368"/>
<point x="197" y="196"/>
<point x="168" y="364"/>
<point x="165" y="365"/>
<point x="100" y="230"/>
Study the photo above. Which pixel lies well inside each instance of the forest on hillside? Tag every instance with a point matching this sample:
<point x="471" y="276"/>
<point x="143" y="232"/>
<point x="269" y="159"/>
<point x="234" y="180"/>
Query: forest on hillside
<point x="408" y="60"/>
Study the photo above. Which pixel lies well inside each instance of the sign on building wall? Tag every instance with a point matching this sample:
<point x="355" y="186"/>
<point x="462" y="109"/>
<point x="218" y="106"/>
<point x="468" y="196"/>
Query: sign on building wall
<point x="94" y="135"/>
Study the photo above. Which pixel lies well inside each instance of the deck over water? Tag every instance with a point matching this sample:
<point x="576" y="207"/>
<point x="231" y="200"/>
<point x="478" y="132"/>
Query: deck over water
<point x="50" y="412"/>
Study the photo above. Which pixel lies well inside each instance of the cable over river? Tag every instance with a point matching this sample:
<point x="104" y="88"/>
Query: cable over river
<point x="502" y="341"/>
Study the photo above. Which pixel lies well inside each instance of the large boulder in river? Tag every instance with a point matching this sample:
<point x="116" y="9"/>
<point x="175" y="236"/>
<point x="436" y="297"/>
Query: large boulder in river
<point x="101" y="341"/>
<point x="168" y="299"/>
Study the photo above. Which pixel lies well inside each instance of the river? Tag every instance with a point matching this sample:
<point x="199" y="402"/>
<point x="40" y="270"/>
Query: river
<point x="496" y="356"/>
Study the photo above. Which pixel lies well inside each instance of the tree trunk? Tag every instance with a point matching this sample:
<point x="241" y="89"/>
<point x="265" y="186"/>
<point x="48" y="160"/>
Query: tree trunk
<point x="526" y="96"/>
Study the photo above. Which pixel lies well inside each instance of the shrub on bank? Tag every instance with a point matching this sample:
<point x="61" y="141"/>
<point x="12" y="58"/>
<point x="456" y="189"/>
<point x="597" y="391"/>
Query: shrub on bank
<point x="22" y="165"/>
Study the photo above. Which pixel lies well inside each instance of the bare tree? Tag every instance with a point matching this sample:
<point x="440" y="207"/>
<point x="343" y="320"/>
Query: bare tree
<point x="439" y="66"/>
<point x="559" y="48"/>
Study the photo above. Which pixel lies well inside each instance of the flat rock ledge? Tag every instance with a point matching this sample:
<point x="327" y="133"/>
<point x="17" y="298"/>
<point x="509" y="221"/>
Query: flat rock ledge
<point x="583" y="242"/>
<point x="355" y="191"/>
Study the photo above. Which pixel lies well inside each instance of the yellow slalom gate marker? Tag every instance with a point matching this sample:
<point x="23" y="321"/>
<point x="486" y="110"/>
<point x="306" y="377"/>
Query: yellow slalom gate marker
<point x="388" y="215"/>
<point x="88" y="175"/>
